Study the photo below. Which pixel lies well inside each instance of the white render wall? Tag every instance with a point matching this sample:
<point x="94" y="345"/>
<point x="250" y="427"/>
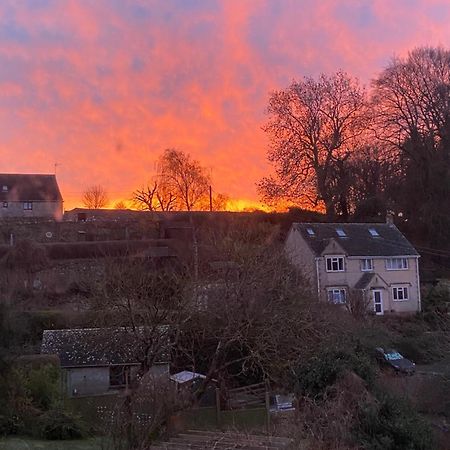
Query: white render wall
<point x="302" y="257"/>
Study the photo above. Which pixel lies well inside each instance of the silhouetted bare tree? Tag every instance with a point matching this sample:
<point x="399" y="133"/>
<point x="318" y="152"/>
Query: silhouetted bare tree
<point x="184" y="177"/>
<point x="313" y="128"/>
<point x="155" y="197"/>
<point x="95" y="197"/>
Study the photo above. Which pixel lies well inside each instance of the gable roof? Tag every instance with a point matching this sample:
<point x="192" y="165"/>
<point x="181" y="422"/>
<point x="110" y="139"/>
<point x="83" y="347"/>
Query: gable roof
<point x="29" y="187"/>
<point x="358" y="240"/>
<point x="90" y="347"/>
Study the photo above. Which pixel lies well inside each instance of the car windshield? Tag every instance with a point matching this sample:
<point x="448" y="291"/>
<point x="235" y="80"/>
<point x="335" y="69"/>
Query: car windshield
<point x="393" y="356"/>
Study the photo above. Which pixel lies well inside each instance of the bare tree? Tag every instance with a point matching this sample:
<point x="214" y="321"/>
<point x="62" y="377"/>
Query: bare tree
<point x="155" y="197"/>
<point x="313" y="128"/>
<point x="120" y="205"/>
<point x="95" y="197"/>
<point x="412" y="97"/>
<point x="412" y="100"/>
<point x="179" y="174"/>
<point x="255" y="319"/>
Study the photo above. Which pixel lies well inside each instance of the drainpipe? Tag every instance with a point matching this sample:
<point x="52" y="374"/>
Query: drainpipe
<point x="418" y="284"/>
<point x="318" y="280"/>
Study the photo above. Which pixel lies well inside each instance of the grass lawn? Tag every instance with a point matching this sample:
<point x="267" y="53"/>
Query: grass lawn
<point x="17" y="443"/>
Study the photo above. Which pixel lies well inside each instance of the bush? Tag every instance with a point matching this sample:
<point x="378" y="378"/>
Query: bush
<point x="42" y="386"/>
<point x="322" y="371"/>
<point x="392" y="424"/>
<point x="61" y="425"/>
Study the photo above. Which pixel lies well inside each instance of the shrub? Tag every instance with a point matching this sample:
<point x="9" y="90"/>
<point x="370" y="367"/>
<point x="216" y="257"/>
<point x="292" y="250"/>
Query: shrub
<point x="392" y="424"/>
<point x="322" y="371"/>
<point x="61" y="425"/>
<point x="42" y="386"/>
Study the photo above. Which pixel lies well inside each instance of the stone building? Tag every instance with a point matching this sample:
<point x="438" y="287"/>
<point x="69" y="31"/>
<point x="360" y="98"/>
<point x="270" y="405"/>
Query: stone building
<point x="30" y="195"/>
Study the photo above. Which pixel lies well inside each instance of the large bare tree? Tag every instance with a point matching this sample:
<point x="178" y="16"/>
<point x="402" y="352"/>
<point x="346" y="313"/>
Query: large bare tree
<point x="313" y="128"/>
<point x="412" y="100"/>
<point x="95" y="197"/>
<point x="412" y="97"/>
<point x="185" y="177"/>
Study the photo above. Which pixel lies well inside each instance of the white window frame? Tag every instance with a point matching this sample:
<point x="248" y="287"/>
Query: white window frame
<point x="367" y="267"/>
<point x="335" y="259"/>
<point x="400" y="293"/>
<point x="28" y="206"/>
<point x="339" y="291"/>
<point x="402" y="266"/>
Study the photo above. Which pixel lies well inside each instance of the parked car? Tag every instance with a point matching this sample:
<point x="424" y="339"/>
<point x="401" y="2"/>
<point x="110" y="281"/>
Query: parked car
<point x="392" y="358"/>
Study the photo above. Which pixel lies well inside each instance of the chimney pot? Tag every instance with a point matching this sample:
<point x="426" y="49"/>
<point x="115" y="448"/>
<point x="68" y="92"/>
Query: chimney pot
<point x="390" y="218"/>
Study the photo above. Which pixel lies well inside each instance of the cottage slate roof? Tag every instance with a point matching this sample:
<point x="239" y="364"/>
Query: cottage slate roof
<point x="92" y="347"/>
<point x="358" y="240"/>
<point x="28" y="187"/>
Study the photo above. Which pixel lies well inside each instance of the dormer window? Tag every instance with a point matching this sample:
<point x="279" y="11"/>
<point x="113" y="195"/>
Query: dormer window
<point x="310" y="232"/>
<point x="340" y="232"/>
<point x="373" y="232"/>
<point x="4" y="188"/>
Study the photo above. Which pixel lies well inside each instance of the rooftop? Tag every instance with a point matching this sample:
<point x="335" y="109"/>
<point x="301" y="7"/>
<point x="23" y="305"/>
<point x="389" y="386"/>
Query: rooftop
<point x="357" y="239"/>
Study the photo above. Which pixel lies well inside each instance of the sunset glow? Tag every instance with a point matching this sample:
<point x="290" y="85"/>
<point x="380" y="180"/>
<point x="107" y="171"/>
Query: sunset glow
<point x="100" y="88"/>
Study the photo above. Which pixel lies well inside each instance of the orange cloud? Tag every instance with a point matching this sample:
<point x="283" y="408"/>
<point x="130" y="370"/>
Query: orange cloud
<point x="102" y="88"/>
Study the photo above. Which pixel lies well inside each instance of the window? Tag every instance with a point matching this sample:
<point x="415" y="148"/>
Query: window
<point x="373" y="232"/>
<point x="4" y="188"/>
<point x="336" y="295"/>
<point x="27" y="206"/>
<point x="340" y="232"/>
<point x="310" y="232"/>
<point x="335" y="263"/>
<point x="119" y="376"/>
<point x="5" y="204"/>
<point x="367" y="265"/>
<point x="399" y="293"/>
<point x="396" y="264"/>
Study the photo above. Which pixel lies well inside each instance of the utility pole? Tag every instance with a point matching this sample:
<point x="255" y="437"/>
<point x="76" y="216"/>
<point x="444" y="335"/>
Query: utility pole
<point x="210" y="198"/>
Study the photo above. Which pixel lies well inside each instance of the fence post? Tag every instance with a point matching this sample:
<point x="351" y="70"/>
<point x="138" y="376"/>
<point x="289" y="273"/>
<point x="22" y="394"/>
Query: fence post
<point x="218" y="418"/>
<point x="267" y="398"/>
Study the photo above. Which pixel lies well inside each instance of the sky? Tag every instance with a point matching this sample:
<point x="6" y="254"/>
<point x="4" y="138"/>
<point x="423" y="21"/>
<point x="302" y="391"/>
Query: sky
<point x="101" y="87"/>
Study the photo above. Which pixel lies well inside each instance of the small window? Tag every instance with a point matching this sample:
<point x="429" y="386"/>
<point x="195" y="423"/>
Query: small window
<point x="310" y="232"/>
<point x="27" y="206"/>
<point x="4" y="188"/>
<point x="119" y="376"/>
<point x="5" y="204"/>
<point x="337" y="296"/>
<point x="399" y="293"/>
<point x="373" y="232"/>
<point x="396" y="264"/>
<point x="335" y="263"/>
<point x="340" y="232"/>
<point x="367" y="265"/>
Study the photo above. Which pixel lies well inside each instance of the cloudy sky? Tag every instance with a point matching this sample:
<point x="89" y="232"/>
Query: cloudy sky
<point x="101" y="87"/>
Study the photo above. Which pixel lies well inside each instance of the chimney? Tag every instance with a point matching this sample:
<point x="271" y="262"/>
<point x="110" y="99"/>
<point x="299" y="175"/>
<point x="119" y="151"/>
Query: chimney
<point x="390" y="218"/>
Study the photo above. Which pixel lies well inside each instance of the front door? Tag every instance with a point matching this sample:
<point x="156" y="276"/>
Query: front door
<point x="378" y="302"/>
